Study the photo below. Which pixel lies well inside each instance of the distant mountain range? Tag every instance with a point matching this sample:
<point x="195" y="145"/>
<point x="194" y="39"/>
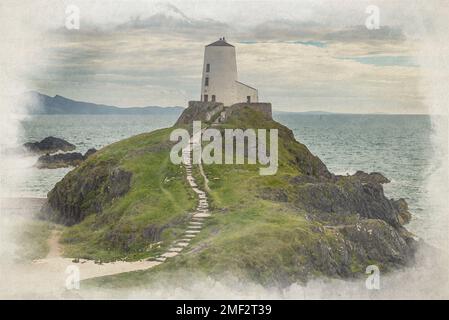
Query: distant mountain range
<point x="38" y="103"/>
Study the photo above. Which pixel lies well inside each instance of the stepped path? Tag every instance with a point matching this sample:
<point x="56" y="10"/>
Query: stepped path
<point x="202" y="211"/>
<point x="54" y="262"/>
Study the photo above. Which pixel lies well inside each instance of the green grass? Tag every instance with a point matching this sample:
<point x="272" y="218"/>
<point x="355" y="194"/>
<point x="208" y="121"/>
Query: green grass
<point x="154" y="209"/>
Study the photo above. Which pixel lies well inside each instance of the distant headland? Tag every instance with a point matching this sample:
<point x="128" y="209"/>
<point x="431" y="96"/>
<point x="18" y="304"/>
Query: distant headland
<point x="38" y="103"/>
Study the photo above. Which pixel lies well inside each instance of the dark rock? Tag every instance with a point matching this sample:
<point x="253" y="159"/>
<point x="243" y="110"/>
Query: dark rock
<point x="89" y="152"/>
<point x="402" y="207"/>
<point x="348" y="198"/>
<point x="273" y="194"/>
<point x="119" y="182"/>
<point x="63" y="160"/>
<point x="375" y="240"/>
<point x="72" y="199"/>
<point x="373" y="177"/>
<point x="59" y="160"/>
<point x="49" y="145"/>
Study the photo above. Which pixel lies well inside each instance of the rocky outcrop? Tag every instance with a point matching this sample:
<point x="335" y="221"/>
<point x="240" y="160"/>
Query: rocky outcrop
<point x="217" y="112"/>
<point x="89" y="152"/>
<point x="333" y="202"/>
<point x="59" y="160"/>
<point x="200" y="111"/>
<point x="376" y="240"/>
<point x="345" y="251"/>
<point x="49" y="145"/>
<point x="72" y="199"/>
<point x="262" y="107"/>
<point x="63" y="160"/>
<point x="404" y="216"/>
<point x="373" y="177"/>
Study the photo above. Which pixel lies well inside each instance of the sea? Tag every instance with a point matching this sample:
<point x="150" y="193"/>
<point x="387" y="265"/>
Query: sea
<point x="398" y="146"/>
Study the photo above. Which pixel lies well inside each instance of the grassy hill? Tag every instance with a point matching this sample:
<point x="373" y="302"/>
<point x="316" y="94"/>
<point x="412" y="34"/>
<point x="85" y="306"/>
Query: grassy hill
<point x="129" y="201"/>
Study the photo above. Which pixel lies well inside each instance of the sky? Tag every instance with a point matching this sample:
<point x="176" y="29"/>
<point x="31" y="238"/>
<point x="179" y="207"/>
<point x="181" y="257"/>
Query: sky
<point x="300" y="55"/>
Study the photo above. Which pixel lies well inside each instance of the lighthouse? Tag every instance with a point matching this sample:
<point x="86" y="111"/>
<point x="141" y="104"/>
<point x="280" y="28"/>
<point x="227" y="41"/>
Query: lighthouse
<point x="220" y="79"/>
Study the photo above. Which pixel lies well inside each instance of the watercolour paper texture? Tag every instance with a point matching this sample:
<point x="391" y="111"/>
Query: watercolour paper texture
<point x="224" y="149"/>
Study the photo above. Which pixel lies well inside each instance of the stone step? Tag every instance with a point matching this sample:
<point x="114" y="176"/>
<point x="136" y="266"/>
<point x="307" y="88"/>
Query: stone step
<point x="196" y="223"/>
<point x="175" y="249"/>
<point x="161" y="259"/>
<point x="170" y="254"/>
<point x="190" y="235"/>
<point x="192" y="231"/>
<point x="194" y="227"/>
<point x="183" y="244"/>
<point x="201" y="215"/>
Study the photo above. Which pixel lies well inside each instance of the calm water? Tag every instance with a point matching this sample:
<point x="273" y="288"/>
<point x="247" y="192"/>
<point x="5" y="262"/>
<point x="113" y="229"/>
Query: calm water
<point x="396" y="145"/>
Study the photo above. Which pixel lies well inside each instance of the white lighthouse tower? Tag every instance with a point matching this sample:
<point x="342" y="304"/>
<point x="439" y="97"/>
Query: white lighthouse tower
<point x="220" y="81"/>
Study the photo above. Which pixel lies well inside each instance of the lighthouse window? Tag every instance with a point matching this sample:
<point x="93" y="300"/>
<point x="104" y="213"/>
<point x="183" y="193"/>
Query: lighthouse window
<point x="213" y="98"/>
<point x="207" y="82"/>
<point x="208" y="67"/>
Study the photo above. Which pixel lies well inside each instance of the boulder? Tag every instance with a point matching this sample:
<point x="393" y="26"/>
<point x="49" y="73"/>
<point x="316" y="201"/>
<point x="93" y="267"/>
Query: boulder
<point x="373" y="177"/>
<point x="63" y="160"/>
<point x="49" y="145"/>
<point x="402" y="208"/>
<point x="89" y="152"/>
<point x="59" y="160"/>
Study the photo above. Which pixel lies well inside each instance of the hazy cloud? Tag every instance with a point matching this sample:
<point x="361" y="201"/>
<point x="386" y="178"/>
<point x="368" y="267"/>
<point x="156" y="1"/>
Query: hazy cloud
<point x="153" y="54"/>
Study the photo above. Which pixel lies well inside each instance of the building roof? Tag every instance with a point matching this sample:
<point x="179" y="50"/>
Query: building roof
<point x="220" y="43"/>
<point x="244" y="84"/>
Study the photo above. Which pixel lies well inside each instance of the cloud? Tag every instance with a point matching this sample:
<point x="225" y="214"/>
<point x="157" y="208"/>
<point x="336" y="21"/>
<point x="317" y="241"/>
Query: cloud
<point x="361" y="33"/>
<point x="154" y="56"/>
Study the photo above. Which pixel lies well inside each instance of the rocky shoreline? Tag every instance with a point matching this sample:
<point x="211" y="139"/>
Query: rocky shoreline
<point x="49" y="145"/>
<point x="63" y="160"/>
<point x="54" y="153"/>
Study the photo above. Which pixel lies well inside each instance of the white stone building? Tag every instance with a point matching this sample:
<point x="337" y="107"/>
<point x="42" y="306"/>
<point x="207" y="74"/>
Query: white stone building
<point x="220" y="82"/>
